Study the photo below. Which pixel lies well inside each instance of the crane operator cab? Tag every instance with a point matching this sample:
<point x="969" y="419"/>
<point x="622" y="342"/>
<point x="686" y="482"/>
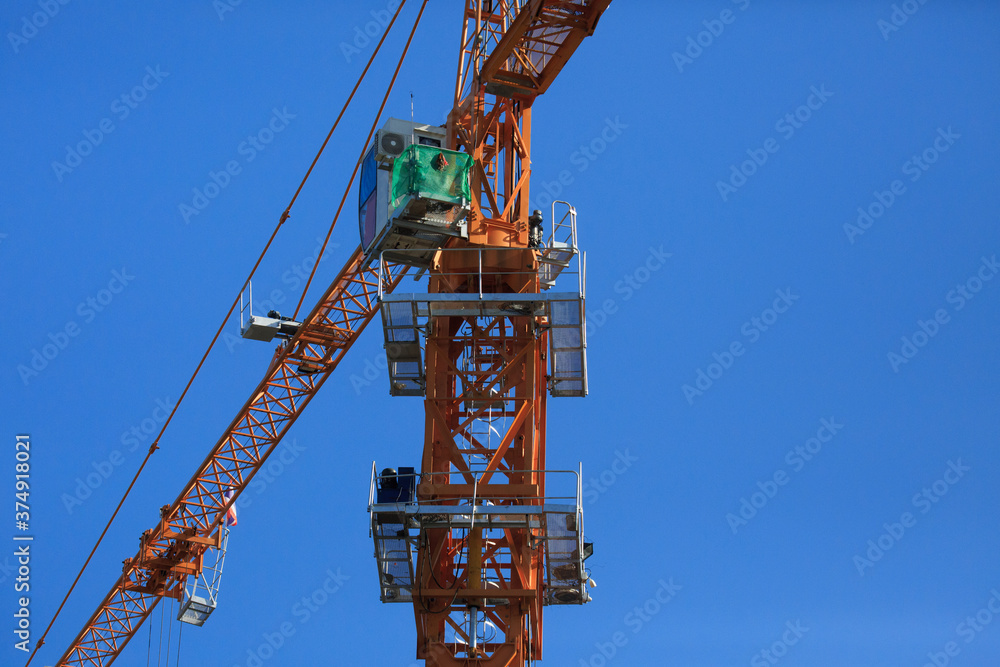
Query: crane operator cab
<point x="414" y="194"/>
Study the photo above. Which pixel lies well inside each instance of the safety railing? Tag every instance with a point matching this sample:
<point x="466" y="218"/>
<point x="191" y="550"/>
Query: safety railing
<point x="553" y="521"/>
<point x="246" y="305"/>
<point x="497" y="502"/>
<point x="576" y="497"/>
<point x="201" y="591"/>
<point x="575" y="266"/>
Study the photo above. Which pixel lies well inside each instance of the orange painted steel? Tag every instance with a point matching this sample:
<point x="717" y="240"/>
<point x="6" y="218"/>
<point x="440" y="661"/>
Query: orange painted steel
<point x="510" y="52"/>
<point x="173" y="549"/>
<point x="491" y="369"/>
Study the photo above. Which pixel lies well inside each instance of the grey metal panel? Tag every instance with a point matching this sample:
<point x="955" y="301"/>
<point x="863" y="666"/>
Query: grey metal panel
<point x="261" y="328"/>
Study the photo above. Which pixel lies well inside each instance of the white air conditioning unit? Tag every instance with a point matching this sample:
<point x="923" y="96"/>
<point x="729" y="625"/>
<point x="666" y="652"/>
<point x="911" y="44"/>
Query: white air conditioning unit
<point x="389" y="145"/>
<point x="396" y="135"/>
<point x="418" y="226"/>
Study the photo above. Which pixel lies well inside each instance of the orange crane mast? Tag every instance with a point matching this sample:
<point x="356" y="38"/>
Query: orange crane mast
<point x="472" y="541"/>
<point x="480" y="586"/>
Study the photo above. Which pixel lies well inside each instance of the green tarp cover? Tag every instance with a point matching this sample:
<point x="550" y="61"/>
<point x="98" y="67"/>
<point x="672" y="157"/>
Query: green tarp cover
<point x="431" y="173"/>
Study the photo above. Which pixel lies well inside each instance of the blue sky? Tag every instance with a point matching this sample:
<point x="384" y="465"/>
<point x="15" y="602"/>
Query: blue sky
<point x="776" y="308"/>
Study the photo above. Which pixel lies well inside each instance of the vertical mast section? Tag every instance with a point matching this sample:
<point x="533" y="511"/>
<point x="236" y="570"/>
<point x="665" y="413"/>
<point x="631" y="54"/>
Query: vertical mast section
<point x="480" y="587"/>
<point x="480" y="582"/>
<point x="510" y="52"/>
<point x="485" y="398"/>
<point x="495" y="131"/>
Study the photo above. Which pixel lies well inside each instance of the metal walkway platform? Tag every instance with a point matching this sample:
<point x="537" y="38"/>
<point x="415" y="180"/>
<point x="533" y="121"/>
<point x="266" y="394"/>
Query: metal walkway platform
<point x="406" y="319"/>
<point x="557" y="528"/>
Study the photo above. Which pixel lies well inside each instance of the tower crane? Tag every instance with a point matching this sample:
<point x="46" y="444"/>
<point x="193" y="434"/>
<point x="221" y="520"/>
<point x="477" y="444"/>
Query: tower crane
<point x="474" y="540"/>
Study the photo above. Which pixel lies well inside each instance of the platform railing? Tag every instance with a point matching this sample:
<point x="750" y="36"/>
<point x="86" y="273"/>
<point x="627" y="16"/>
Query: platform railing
<point x="201" y="591"/>
<point x="496" y="501"/>
<point x="563" y="229"/>
<point x="577" y="497"/>
<point x="558" y="519"/>
<point x="577" y="268"/>
<point x="246" y="306"/>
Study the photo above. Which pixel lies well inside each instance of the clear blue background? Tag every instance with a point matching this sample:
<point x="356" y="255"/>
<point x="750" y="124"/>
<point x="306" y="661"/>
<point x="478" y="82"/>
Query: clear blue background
<point x="655" y="185"/>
